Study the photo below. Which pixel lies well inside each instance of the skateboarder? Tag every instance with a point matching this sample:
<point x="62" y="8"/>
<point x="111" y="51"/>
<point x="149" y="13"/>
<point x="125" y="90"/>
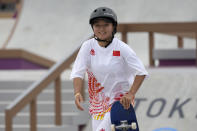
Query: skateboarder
<point x="114" y="71"/>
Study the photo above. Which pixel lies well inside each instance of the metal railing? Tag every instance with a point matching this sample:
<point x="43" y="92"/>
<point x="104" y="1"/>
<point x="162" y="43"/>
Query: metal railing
<point x="29" y="96"/>
<point x="180" y="29"/>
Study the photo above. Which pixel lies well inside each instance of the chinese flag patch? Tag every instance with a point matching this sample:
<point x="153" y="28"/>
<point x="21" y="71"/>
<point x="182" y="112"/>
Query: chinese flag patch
<point x="116" y="53"/>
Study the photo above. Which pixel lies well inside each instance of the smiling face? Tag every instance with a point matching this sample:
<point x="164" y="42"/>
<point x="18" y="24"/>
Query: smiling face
<point x="103" y="29"/>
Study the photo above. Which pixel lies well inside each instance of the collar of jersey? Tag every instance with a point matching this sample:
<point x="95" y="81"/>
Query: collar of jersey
<point x="103" y="48"/>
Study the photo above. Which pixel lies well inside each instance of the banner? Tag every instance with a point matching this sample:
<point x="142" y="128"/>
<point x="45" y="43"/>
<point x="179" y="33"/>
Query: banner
<point x="167" y="101"/>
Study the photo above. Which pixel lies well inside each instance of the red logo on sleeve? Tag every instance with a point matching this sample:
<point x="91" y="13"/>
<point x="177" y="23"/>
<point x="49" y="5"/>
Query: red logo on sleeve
<point x="92" y="52"/>
<point x="116" y="53"/>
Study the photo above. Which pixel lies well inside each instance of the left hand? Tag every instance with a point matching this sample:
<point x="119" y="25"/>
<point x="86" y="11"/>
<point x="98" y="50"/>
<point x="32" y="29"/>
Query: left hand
<point x="127" y="99"/>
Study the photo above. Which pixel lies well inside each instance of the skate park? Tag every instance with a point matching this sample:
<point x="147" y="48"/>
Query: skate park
<point x="52" y="31"/>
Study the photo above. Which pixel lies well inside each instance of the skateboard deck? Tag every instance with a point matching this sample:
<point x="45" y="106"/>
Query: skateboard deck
<point x="123" y="120"/>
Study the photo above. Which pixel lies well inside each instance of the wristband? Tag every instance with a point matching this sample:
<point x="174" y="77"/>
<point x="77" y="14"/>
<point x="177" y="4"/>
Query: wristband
<point x="77" y="94"/>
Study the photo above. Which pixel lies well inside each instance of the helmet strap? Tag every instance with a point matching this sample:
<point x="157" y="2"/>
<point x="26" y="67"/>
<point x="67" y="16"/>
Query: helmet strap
<point x="107" y="41"/>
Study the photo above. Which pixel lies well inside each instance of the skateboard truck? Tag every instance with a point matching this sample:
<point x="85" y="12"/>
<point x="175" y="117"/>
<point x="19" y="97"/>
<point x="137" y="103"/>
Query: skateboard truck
<point x="124" y="126"/>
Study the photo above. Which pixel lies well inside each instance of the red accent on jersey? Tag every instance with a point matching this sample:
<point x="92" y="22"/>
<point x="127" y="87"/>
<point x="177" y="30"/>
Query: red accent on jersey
<point x="102" y="130"/>
<point x="98" y="84"/>
<point x="99" y="90"/>
<point x="116" y="53"/>
<point x="118" y="96"/>
<point x="92" y="52"/>
<point x="98" y="101"/>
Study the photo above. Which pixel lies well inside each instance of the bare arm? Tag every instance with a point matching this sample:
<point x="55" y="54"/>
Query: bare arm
<point x="78" y="84"/>
<point x="136" y="84"/>
<point x="129" y="98"/>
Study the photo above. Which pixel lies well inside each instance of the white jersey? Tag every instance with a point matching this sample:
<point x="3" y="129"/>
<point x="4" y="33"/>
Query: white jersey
<point x="111" y="72"/>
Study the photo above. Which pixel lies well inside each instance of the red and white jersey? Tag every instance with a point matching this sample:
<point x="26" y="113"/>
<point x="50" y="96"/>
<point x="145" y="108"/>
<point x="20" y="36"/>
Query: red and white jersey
<point x="110" y="70"/>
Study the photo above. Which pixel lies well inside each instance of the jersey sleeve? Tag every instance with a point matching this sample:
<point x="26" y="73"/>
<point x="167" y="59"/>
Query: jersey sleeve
<point x="81" y="62"/>
<point x="134" y="64"/>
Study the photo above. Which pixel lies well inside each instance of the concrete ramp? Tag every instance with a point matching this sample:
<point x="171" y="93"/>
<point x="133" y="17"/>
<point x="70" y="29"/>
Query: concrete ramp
<point x="52" y="28"/>
<point x="49" y="28"/>
<point x="5" y="27"/>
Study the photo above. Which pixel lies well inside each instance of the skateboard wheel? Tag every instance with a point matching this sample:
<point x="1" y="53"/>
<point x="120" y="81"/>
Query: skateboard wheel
<point x="133" y="125"/>
<point x="113" y="127"/>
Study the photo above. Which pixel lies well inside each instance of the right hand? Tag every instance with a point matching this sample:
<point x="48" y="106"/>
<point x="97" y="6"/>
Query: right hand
<point x="127" y="99"/>
<point x="78" y="100"/>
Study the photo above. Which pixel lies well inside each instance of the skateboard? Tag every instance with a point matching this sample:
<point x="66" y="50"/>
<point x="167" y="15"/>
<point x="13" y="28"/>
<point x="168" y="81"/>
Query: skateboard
<point x="122" y="119"/>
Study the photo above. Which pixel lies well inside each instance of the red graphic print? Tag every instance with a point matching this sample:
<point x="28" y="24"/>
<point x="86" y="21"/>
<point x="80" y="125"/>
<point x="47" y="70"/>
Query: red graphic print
<point x="92" y="52"/>
<point x="116" y="53"/>
<point x="99" y="90"/>
<point x="102" y="130"/>
<point x="118" y="96"/>
<point x="98" y="101"/>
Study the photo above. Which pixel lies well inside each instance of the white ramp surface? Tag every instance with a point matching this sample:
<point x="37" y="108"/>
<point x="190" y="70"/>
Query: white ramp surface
<point x="49" y="28"/>
<point x="52" y="28"/>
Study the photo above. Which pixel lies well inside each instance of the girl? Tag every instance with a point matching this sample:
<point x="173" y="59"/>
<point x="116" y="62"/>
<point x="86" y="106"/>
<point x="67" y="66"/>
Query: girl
<point x="114" y="71"/>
